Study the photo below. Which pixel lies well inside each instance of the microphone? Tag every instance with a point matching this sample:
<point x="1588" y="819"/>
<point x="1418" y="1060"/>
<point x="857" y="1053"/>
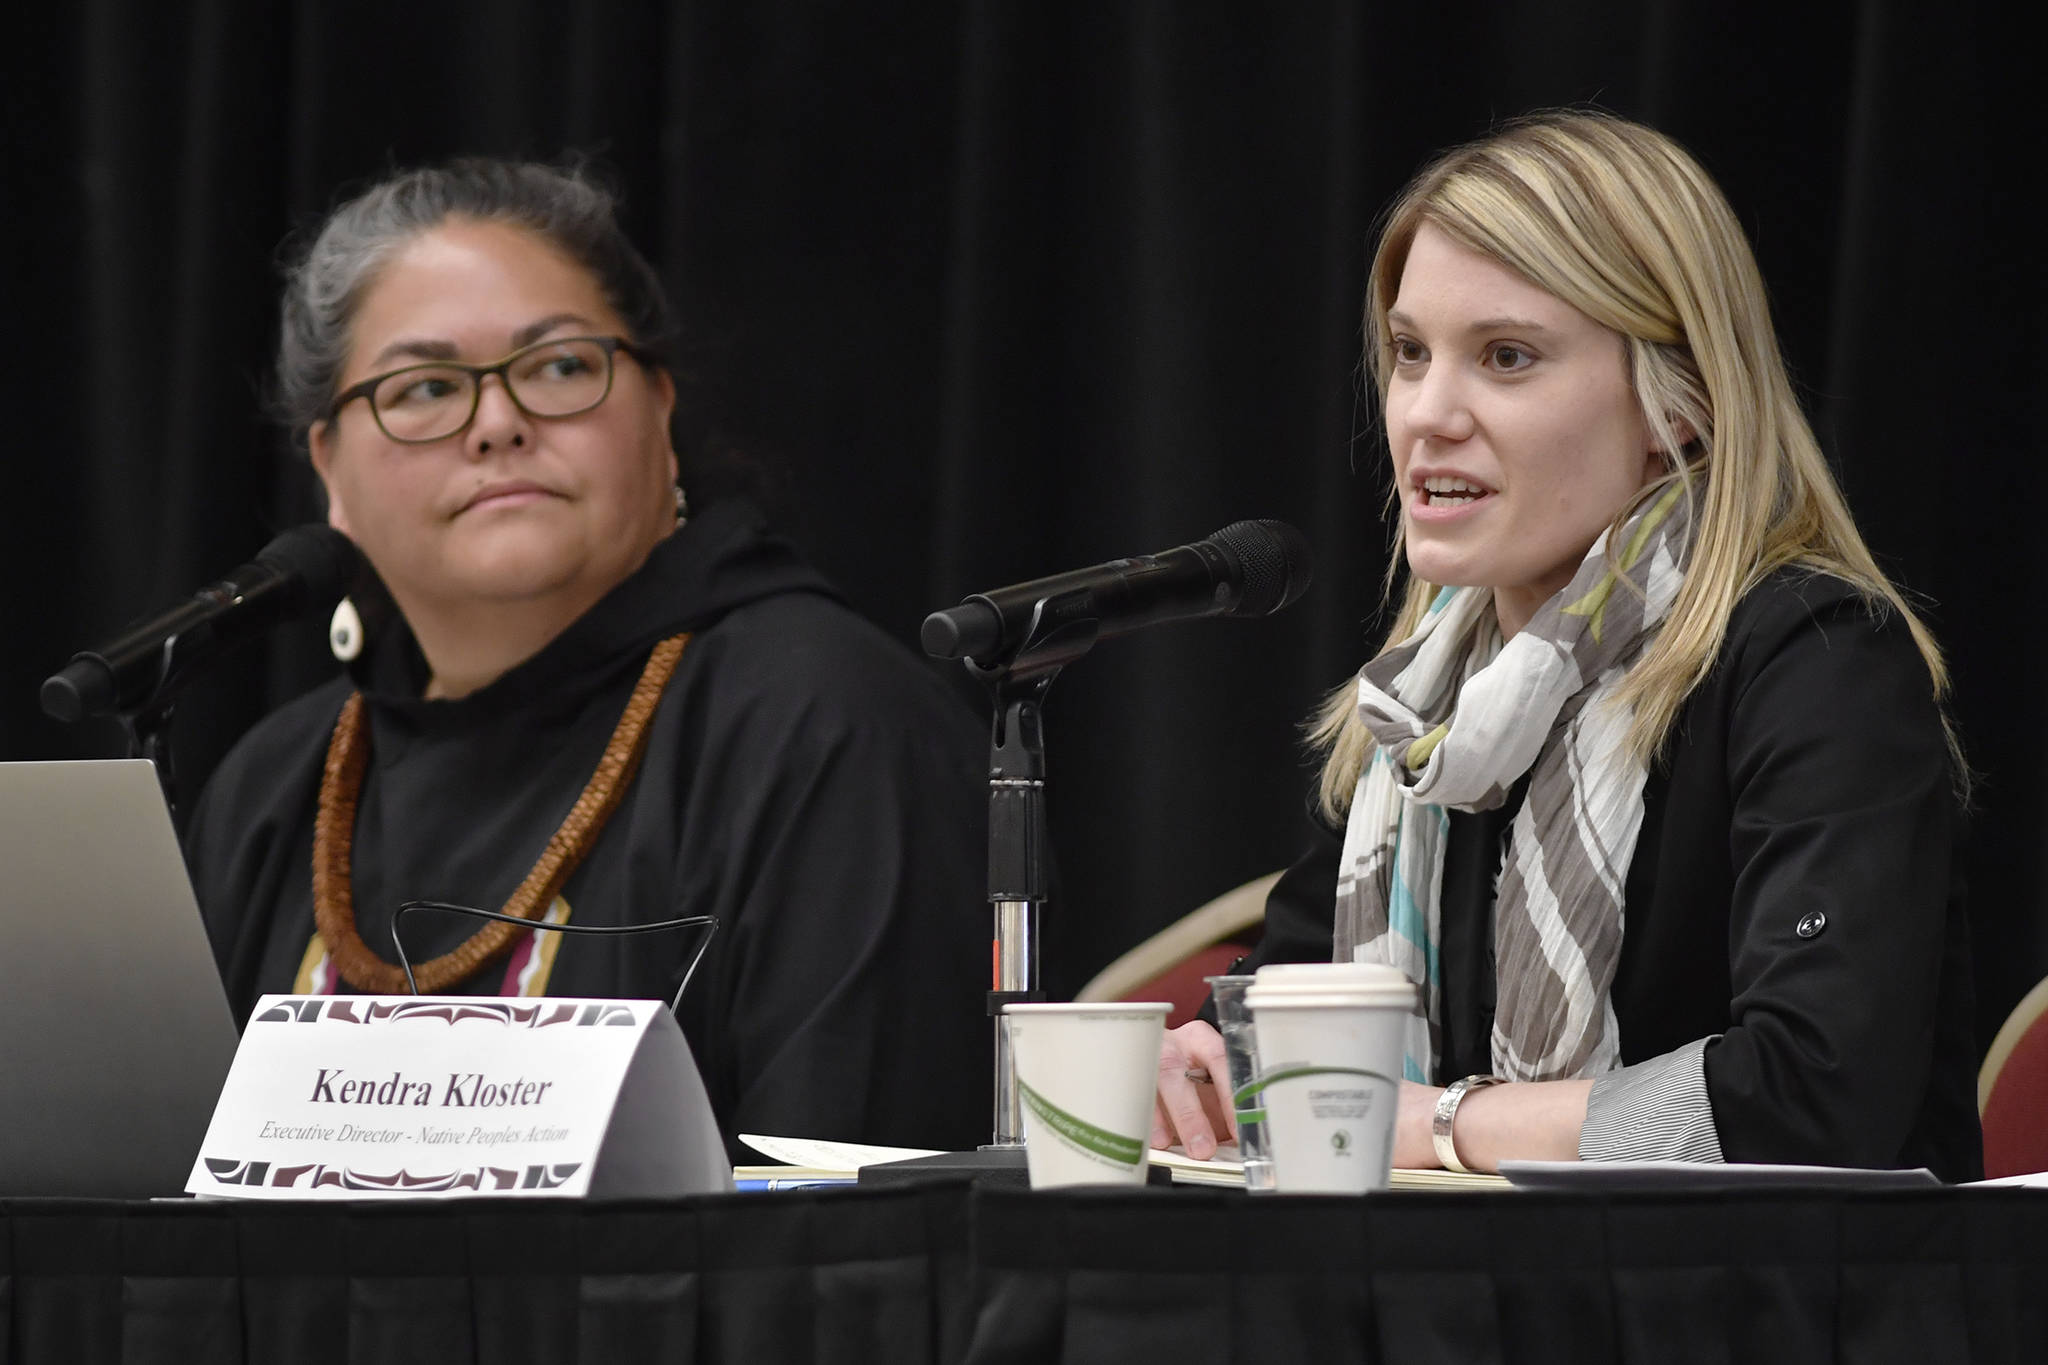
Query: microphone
<point x="304" y="570"/>
<point x="1249" y="568"/>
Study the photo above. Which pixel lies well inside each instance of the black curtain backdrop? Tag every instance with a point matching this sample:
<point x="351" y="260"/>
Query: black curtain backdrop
<point x="1008" y="288"/>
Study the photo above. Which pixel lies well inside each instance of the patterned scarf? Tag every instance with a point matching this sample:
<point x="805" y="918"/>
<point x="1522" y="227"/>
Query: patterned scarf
<point x="1458" y="718"/>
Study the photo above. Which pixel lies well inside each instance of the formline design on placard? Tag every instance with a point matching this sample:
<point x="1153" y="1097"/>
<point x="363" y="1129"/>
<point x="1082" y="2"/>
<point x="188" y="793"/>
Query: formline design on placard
<point x="228" y="1171"/>
<point x="358" y="1010"/>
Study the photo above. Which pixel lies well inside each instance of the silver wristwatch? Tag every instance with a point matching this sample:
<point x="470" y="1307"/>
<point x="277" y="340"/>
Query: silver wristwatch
<point x="1446" y="1112"/>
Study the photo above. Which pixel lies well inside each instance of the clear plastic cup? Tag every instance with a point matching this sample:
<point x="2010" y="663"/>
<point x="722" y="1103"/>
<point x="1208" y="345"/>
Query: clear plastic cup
<point x="1240" y="1048"/>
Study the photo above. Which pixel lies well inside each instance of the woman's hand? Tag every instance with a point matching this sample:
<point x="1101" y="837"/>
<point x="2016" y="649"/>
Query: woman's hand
<point x="1197" y="1113"/>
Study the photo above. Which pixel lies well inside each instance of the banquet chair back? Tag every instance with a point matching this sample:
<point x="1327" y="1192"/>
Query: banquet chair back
<point x="1170" y="965"/>
<point x="2012" y="1090"/>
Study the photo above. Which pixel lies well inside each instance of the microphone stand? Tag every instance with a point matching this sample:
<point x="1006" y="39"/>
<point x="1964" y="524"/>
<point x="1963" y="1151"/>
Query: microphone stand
<point x="1250" y="568"/>
<point x="136" y="676"/>
<point x="144" y="713"/>
<point x="1019" y="842"/>
<point x="143" y="672"/>
<point x="149" y="736"/>
<point x="145" y="717"/>
<point x="1019" y="867"/>
<point x="1019" y="881"/>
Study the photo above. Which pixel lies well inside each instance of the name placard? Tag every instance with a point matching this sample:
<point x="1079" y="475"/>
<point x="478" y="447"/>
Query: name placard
<point x="357" y="1096"/>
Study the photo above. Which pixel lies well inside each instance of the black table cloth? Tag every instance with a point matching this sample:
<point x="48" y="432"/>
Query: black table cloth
<point x="943" y="1273"/>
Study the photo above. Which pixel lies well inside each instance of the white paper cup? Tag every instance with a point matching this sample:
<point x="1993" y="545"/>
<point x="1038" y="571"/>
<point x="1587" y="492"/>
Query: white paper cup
<point x="1088" y="1074"/>
<point x="1330" y="1043"/>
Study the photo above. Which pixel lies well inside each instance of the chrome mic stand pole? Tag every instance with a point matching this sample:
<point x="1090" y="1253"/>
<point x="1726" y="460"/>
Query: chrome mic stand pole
<point x="1018" y="879"/>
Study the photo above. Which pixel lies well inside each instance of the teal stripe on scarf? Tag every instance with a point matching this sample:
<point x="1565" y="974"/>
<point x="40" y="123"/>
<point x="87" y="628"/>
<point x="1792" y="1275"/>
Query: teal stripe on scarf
<point x="1405" y="917"/>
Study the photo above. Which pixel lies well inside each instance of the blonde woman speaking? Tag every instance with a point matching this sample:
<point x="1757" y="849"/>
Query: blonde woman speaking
<point x="1650" y="790"/>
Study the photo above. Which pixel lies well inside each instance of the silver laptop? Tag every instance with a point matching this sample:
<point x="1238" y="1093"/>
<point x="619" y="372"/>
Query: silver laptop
<point x="115" y="1033"/>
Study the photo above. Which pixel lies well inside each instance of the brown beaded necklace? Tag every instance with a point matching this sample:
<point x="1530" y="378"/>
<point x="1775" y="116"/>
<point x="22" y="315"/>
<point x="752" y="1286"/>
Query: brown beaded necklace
<point x="348" y="755"/>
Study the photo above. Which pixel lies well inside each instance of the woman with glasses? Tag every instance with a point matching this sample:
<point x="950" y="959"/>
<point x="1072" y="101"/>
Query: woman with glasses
<point x="1650" y="791"/>
<point x="591" y="705"/>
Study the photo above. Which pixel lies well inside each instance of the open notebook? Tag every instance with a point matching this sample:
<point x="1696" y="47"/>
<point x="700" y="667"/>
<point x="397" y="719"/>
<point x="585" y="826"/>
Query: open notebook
<point x="821" y="1160"/>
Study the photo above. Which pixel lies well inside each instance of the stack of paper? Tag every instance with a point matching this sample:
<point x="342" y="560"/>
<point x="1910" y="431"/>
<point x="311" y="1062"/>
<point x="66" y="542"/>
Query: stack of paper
<point x="818" y="1161"/>
<point x="843" y="1158"/>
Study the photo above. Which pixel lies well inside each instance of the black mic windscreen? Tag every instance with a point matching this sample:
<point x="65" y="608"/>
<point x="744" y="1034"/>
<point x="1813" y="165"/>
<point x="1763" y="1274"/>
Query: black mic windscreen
<point x="1275" y="561"/>
<point x="323" y="560"/>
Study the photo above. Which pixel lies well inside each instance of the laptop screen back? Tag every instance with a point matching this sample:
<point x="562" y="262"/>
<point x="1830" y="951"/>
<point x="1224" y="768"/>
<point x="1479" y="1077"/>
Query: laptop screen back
<point x="115" y="1033"/>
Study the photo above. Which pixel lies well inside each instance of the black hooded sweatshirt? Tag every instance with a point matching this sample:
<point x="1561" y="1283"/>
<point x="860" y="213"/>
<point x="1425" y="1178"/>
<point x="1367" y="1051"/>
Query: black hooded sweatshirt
<point x="805" y="780"/>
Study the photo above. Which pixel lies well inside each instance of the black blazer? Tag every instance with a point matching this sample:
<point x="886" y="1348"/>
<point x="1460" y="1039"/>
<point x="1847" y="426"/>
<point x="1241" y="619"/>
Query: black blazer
<point x="1795" y="890"/>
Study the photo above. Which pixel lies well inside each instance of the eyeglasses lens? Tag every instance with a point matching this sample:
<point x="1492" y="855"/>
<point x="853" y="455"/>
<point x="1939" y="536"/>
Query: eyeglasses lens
<point x="553" y="379"/>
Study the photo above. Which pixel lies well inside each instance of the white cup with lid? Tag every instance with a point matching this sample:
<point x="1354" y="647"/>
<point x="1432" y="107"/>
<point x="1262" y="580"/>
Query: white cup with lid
<point x="1330" y="1040"/>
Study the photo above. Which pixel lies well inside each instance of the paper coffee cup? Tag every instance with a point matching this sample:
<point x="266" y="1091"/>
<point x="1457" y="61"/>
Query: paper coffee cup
<point x="1087" y="1074"/>
<point x="1329" y="1039"/>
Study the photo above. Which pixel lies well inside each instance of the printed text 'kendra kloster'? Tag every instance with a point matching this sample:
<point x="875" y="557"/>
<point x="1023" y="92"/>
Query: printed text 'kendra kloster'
<point x="464" y="1090"/>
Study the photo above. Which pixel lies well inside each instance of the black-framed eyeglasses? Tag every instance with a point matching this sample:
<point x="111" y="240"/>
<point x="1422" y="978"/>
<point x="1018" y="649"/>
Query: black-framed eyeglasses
<point x="433" y="400"/>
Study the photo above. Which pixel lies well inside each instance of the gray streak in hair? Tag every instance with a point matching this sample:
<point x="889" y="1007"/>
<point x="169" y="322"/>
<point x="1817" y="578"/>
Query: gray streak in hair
<point x="325" y="283"/>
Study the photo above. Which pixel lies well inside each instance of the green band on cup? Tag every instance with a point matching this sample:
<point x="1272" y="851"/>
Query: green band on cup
<point x="1125" y="1151"/>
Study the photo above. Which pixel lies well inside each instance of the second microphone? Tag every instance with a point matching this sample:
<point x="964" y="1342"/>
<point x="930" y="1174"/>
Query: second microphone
<point x="1249" y="568"/>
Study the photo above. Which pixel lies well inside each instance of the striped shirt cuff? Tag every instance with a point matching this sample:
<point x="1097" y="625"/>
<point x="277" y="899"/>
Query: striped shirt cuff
<point x="1656" y="1110"/>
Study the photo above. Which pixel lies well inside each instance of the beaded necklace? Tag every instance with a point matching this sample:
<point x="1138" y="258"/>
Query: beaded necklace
<point x="341" y="783"/>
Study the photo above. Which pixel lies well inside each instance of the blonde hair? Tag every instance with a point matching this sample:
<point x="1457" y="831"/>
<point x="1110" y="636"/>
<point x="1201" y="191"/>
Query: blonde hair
<point x="1618" y="221"/>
